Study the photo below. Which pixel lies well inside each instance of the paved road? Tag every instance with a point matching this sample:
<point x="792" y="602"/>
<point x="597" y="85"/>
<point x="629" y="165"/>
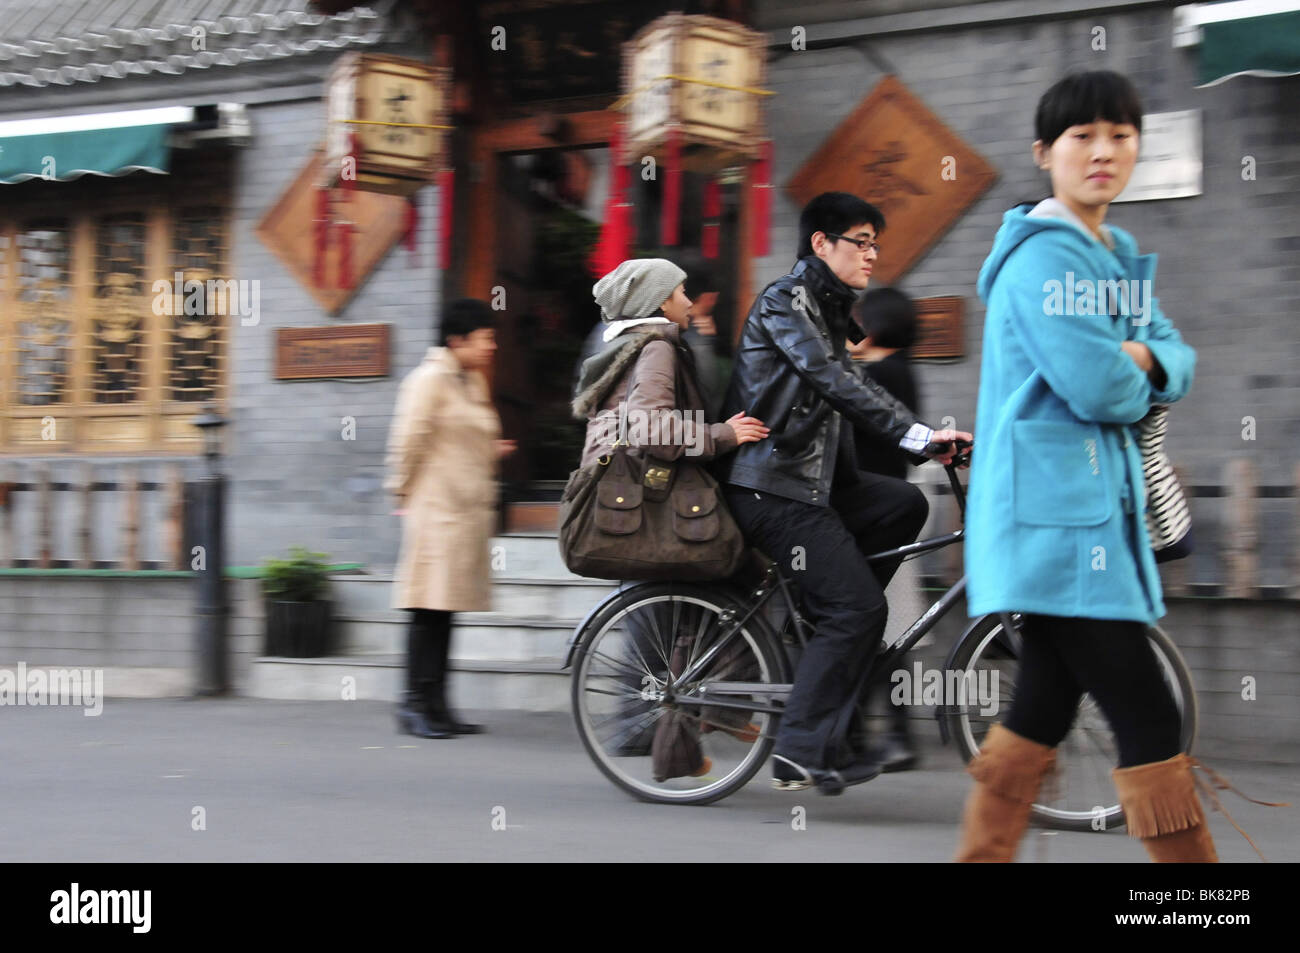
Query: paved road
<point x="333" y="781"/>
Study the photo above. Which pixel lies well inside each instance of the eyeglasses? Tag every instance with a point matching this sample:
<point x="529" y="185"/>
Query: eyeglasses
<point x="862" y="243"/>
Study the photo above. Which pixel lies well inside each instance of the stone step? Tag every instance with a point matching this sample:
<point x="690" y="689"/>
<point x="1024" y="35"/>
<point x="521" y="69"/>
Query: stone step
<point x="472" y="686"/>
<point x="528" y="555"/>
<point x="481" y="636"/>
<point x="554" y="597"/>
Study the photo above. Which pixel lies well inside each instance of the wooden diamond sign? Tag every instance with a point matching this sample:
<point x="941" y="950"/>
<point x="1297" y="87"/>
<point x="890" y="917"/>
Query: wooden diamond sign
<point x="900" y="157"/>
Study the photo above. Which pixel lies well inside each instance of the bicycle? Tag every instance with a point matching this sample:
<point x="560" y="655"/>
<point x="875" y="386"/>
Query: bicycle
<point x="709" y="653"/>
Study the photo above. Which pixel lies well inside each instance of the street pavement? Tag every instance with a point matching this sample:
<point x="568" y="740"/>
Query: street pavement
<point x="333" y="781"/>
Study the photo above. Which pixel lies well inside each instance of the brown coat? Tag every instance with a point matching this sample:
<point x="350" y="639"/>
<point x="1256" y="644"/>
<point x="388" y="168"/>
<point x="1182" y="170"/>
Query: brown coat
<point x="649" y="383"/>
<point x="442" y="467"/>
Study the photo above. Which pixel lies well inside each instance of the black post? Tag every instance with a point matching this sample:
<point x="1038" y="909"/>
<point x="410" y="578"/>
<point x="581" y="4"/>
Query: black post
<point x="211" y="649"/>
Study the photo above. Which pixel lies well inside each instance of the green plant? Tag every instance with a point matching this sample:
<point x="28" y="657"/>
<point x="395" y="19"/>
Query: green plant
<point x="303" y="577"/>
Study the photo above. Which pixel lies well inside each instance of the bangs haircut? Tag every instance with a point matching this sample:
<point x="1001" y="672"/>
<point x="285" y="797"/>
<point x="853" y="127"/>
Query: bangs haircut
<point x="835" y="212"/>
<point x="1083" y="98"/>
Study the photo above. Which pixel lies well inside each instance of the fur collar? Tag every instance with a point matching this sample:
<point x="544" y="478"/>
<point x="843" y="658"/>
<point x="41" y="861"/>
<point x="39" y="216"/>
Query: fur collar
<point x="606" y="368"/>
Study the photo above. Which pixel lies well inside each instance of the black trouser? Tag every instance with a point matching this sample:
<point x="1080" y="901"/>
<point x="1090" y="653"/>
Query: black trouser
<point x="1110" y="660"/>
<point x="428" y="642"/>
<point x="823" y="550"/>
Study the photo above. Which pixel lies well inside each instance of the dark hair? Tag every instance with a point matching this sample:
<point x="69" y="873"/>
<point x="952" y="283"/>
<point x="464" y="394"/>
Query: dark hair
<point x="1082" y="98"/>
<point x="888" y="316"/>
<point x="464" y="317"/>
<point x="835" y="212"/>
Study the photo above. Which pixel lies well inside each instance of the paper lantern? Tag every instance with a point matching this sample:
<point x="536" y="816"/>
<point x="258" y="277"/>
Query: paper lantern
<point x="387" y="122"/>
<point x="692" y="100"/>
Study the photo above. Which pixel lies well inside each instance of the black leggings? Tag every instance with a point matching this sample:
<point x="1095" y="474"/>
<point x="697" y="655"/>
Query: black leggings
<point x="1113" y="662"/>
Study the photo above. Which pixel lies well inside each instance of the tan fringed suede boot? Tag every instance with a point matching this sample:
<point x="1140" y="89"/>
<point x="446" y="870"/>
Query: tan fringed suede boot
<point x="1161" y="807"/>
<point x="1008" y="771"/>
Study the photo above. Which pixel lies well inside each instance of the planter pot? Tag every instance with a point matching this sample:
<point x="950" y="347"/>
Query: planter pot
<point x="298" y="629"/>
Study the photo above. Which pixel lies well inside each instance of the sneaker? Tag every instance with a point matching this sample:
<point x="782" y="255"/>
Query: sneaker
<point x="788" y="775"/>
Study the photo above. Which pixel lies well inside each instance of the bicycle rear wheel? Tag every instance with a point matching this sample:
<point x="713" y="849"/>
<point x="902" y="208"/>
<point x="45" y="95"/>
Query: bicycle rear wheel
<point x="1081" y="795"/>
<point x="623" y="693"/>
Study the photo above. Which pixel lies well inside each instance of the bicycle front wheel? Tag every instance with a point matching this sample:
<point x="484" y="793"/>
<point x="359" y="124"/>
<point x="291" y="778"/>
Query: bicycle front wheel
<point x="1081" y="794"/>
<point x="656" y="736"/>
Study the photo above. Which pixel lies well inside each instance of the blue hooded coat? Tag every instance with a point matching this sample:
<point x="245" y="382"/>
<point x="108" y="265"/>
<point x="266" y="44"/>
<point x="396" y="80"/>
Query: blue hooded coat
<point x="1055" y="522"/>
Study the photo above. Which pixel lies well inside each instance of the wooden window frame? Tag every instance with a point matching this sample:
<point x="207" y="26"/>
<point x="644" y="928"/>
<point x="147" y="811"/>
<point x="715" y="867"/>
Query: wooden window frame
<point x="155" y="425"/>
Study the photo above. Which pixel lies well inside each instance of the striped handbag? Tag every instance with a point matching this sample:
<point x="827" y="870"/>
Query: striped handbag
<point x="1169" y="522"/>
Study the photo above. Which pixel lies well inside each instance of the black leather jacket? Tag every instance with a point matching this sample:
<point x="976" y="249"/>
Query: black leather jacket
<point x="793" y="373"/>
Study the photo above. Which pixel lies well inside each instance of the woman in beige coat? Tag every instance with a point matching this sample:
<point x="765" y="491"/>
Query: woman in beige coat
<point x="443" y="451"/>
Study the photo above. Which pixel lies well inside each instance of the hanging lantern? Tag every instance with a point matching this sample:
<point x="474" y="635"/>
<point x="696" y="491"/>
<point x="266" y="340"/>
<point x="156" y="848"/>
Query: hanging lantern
<point x="387" y="133"/>
<point x="700" y="76"/>
<point x="398" y="110"/>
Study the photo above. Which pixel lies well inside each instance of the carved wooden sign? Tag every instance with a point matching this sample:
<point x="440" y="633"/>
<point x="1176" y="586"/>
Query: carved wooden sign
<point x="900" y="157"/>
<point x="940" y="331"/>
<point x="288" y="230"/>
<point x="354" y="350"/>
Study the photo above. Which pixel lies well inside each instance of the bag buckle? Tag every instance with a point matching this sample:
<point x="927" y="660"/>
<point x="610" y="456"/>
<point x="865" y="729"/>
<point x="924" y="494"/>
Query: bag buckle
<point x="656" y="478"/>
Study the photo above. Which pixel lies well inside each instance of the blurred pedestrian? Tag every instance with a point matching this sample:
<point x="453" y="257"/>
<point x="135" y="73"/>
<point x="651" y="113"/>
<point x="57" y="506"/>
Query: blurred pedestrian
<point x="443" y="452"/>
<point x="888" y="319"/>
<point x="1058" y="484"/>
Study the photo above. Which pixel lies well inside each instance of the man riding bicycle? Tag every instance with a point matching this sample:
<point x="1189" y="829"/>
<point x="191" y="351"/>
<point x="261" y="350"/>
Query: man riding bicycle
<point x="799" y="497"/>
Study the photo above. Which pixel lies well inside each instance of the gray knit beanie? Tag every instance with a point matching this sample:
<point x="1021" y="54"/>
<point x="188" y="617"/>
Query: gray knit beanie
<point x="636" y="288"/>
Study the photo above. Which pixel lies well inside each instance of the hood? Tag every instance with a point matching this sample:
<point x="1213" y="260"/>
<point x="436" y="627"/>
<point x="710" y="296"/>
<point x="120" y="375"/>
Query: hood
<point x="1050" y="215"/>
<point x="605" y="368"/>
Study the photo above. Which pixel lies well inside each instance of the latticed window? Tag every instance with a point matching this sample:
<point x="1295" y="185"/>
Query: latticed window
<point x="43" y="314"/>
<point x="114" y="325"/>
<point x="197" y="337"/>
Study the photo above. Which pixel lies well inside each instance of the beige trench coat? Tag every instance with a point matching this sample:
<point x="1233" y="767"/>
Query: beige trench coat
<point x="442" y="468"/>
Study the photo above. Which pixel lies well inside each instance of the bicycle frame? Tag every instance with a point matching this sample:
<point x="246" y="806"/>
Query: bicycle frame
<point x="774" y="580"/>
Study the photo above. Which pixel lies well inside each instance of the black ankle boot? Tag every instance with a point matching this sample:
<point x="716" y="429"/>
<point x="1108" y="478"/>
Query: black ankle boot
<point x="412" y="719"/>
<point x="440" y="716"/>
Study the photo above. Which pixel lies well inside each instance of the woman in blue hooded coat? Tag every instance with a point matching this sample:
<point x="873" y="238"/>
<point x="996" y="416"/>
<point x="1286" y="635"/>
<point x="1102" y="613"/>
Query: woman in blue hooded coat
<point x="1076" y="351"/>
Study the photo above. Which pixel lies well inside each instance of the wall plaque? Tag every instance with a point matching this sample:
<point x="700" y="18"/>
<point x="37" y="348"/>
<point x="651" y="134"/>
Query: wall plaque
<point x="940" y="331"/>
<point x="355" y="350"/>
<point x="1169" y="158"/>
<point x="899" y="156"/>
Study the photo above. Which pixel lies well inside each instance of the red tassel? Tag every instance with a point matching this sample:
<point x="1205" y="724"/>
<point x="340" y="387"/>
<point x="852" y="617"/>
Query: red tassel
<point x="447" y="198"/>
<point x="611" y="249"/>
<point x="345" y="255"/>
<point x="712" y="211"/>
<point x="672" y="188"/>
<point x="762" y="200"/>
<point x="412" y="226"/>
<point x="322" y="223"/>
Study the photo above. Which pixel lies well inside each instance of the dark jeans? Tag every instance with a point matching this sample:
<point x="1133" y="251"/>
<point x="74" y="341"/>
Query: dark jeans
<point x="1113" y="662"/>
<point x="823" y="550"/>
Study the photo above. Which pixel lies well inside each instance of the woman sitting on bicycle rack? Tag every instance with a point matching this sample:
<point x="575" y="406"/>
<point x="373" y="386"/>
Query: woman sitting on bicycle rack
<point x="643" y="301"/>
<point x="1055" y="526"/>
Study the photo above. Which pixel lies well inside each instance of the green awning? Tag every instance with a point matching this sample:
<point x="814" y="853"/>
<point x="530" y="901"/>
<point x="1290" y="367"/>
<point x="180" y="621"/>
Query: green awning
<point x="1241" y="38"/>
<point x="1257" y="46"/>
<point x="64" y="148"/>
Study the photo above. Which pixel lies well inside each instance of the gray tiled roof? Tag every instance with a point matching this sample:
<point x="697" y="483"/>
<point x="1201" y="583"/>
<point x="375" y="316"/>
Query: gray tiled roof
<point x="62" y="42"/>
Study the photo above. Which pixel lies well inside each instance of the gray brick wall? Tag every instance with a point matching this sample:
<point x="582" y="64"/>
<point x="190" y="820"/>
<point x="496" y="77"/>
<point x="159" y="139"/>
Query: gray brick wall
<point x="295" y="479"/>
<point x="1228" y="276"/>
